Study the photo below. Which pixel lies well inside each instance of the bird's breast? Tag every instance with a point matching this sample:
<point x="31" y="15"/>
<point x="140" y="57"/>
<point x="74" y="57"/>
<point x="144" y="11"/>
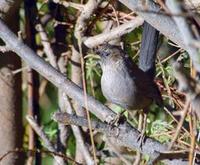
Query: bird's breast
<point x="118" y="88"/>
<point x="121" y="89"/>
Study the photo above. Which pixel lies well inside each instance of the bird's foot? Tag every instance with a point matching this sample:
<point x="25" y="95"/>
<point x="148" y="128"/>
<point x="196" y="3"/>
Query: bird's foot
<point x="120" y="118"/>
<point x="142" y="127"/>
<point x="141" y="138"/>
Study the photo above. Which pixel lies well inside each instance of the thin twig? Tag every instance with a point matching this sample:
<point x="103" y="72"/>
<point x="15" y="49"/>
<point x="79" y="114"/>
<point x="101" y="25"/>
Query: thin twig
<point x="22" y="150"/>
<point x="80" y="29"/>
<point x="44" y="137"/>
<point x="79" y="110"/>
<point x="20" y="70"/>
<point x="140" y="128"/>
<point x="47" y="46"/>
<point x="114" y="149"/>
<point x="180" y="124"/>
<point x="70" y="4"/>
<point x="77" y="133"/>
<point x="170" y="56"/>
<point x="193" y="127"/>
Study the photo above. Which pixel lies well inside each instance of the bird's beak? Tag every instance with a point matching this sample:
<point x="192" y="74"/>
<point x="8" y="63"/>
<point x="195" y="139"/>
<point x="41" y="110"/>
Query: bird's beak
<point x="93" y="55"/>
<point x="98" y="51"/>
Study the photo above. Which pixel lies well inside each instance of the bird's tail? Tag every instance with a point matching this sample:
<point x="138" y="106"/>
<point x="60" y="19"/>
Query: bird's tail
<point x="148" y="49"/>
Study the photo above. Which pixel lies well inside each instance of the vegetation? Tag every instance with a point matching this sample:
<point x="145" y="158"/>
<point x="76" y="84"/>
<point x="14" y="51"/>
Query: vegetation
<point x="55" y="30"/>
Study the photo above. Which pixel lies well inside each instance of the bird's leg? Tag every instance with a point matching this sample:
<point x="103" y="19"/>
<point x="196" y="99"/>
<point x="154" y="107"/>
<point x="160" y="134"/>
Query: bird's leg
<point x="142" y="127"/>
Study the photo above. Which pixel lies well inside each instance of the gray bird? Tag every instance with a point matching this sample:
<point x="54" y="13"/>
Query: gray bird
<point x="123" y="83"/>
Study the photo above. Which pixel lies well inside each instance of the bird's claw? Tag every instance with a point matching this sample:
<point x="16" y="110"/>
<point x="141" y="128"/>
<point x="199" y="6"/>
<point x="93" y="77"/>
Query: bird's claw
<point x="141" y="139"/>
<point x="119" y="118"/>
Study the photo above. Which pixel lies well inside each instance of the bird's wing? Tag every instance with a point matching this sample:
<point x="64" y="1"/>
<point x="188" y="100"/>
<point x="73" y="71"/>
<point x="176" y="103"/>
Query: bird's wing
<point x="145" y="84"/>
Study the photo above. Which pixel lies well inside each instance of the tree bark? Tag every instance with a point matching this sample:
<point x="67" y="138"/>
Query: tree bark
<point x="11" y="130"/>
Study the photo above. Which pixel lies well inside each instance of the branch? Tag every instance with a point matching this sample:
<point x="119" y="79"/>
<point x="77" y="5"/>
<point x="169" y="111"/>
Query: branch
<point x="77" y="133"/>
<point x="44" y="138"/>
<point x="51" y="74"/>
<point x="186" y="34"/>
<point x="79" y="32"/>
<point x="70" y="4"/>
<point x="47" y="46"/>
<point x="113" y="148"/>
<point x="103" y="37"/>
<point x="88" y="10"/>
<point x="162" y="23"/>
<point x="113" y="33"/>
<point x="124" y="135"/>
<point x="65" y="106"/>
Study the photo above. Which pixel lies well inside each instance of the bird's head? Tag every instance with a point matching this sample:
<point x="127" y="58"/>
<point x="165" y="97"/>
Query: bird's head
<point x="110" y="55"/>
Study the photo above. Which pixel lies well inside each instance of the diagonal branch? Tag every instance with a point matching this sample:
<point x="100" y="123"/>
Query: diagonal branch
<point x="163" y="23"/>
<point x="113" y="33"/>
<point x="124" y="135"/>
<point x="50" y="73"/>
<point x="186" y="34"/>
<point x="44" y="137"/>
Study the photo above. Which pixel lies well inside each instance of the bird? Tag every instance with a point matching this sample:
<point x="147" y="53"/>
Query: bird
<point x="123" y="82"/>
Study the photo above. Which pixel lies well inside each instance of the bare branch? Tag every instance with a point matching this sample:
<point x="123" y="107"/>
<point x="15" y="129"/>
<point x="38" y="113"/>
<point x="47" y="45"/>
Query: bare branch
<point x="44" y="137"/>
<point x="88" y="10"/>
<point x="69" y="4"/>
<point x="50" y="73"/>
<point x="162" y="23"/>
<point x="115" y="150"/>
<point x="185" y="31"/>
<point x="76" y="78"/>
<point x="180" y="125"/>
<point x="79" y="33"/>
<point x="77" y="133"/>
<point x="123" y="135"/>
<point x="47" y="46"/>
<point x="113" y="33"/>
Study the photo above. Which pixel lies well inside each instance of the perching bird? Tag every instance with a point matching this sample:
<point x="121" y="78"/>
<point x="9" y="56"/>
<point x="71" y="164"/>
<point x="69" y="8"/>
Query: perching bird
<point x="123" y="83"/>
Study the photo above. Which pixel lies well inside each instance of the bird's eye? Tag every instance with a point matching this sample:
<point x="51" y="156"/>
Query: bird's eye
<point x="106" y="53"/>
